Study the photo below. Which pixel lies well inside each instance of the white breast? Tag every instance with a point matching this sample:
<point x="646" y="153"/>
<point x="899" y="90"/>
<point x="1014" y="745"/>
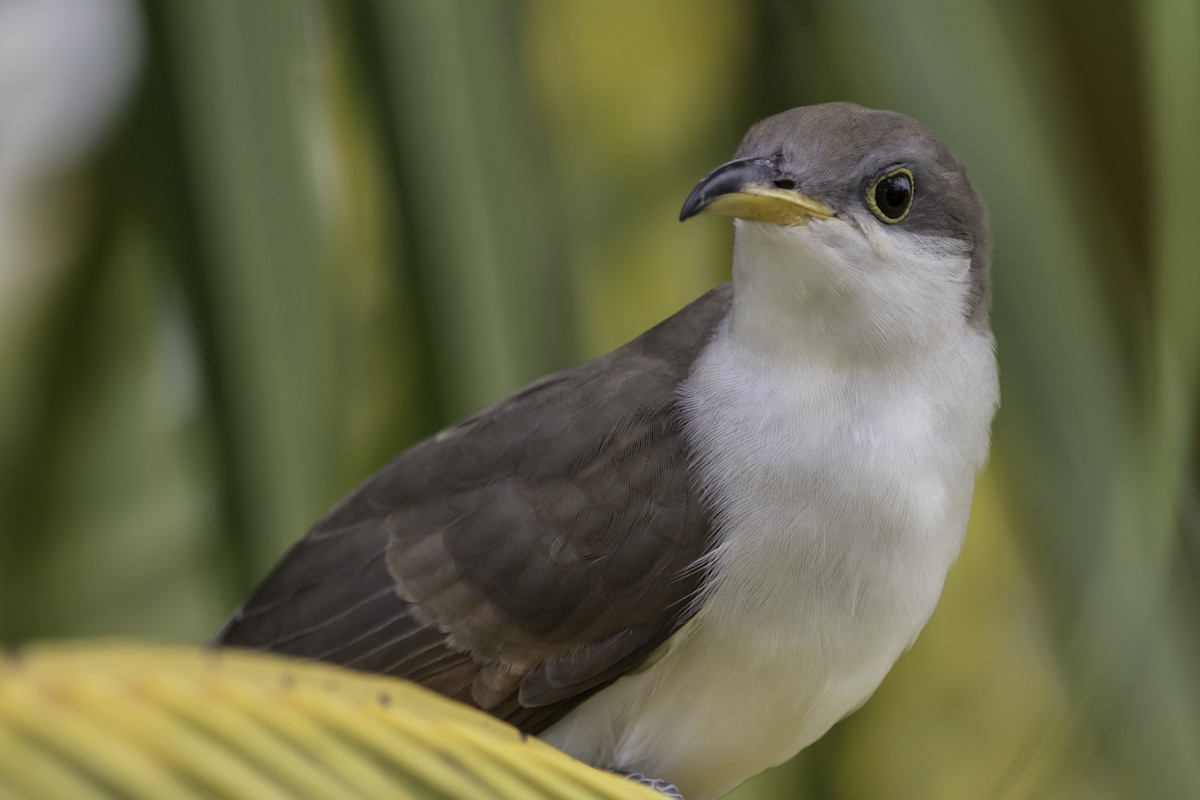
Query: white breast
<point x="842" y="491"/>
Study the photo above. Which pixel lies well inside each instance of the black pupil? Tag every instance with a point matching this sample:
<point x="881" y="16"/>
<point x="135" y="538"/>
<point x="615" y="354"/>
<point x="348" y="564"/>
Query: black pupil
<point x="892" y="195"/>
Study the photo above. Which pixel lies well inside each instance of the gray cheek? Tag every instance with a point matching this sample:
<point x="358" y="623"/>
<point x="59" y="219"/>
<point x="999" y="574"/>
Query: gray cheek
<point x="860" y="217"/>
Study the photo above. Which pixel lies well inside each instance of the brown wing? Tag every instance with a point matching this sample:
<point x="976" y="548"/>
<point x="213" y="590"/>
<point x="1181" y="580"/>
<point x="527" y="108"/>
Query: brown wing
<point x="522" y="559"/>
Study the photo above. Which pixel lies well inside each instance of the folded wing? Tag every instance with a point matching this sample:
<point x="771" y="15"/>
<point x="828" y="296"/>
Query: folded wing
<point x="522" y="559"/>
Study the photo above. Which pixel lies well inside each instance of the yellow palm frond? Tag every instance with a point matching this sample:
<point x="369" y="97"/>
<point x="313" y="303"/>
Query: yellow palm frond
<point x="105" y="720"/>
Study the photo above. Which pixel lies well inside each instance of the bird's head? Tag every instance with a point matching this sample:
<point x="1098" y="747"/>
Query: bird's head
<point x="844" y="211"/>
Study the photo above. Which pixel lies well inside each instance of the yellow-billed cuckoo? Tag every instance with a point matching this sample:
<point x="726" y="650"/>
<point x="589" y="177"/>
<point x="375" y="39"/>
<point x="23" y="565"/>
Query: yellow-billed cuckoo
<point x="692" y="556"/>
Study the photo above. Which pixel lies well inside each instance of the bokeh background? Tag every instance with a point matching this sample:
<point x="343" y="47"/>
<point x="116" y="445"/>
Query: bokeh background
<point x="250" y="250"/>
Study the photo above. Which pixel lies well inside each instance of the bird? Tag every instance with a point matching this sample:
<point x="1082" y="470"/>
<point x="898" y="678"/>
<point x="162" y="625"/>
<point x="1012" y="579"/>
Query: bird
<point x="690" y="557"/>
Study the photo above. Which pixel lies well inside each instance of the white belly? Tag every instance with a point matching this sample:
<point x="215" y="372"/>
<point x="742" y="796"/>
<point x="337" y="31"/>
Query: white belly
<point x="842" y="504"/>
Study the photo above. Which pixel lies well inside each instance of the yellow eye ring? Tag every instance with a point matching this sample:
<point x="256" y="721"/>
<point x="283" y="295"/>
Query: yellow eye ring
<point x="890" y="198"/>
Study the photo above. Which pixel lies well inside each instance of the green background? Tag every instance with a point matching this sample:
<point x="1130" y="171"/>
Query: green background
<point x="312" y="233"/>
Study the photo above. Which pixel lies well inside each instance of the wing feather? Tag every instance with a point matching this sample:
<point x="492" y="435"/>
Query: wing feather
<point x="522" y="559"/>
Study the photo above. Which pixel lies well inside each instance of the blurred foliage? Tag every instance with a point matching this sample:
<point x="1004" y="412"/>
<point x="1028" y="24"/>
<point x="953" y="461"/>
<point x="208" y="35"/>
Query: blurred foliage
<point x="310" y="233"/>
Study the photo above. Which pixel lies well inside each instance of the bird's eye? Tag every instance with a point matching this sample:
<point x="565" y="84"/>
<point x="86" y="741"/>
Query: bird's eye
<point x="891" y="197"/>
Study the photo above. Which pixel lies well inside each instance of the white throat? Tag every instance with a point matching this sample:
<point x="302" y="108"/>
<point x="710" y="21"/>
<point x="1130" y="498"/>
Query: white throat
<point x="830" y="289"/>
<point x="838" y="419"/>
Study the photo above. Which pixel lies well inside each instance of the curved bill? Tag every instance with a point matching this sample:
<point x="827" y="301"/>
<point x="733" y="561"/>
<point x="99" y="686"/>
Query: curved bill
<point x="748" y="189"/>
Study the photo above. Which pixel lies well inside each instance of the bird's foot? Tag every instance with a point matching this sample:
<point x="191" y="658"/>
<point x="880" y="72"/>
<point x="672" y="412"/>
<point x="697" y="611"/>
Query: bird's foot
<point x="657" y="784"/>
